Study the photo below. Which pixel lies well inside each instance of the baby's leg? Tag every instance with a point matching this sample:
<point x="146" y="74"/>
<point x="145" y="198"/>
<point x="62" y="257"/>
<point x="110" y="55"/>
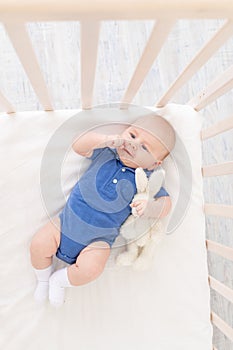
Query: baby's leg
<point x="89" y="265"/>
<point x="43" y="246"/>
<point x="45" y="243"/>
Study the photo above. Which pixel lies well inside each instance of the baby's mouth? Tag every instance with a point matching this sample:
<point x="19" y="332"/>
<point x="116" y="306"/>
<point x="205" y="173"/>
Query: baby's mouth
<point x="127" y="151"/>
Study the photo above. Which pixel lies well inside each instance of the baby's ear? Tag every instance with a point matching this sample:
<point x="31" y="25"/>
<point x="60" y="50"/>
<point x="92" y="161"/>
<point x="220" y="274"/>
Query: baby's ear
<point x="155" y="165"/>
<point x="141" y="180"/>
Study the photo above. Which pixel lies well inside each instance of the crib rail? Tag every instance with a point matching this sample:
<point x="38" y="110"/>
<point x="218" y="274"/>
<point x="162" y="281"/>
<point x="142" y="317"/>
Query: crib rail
<point x="198" y="61"/>
<point x="6" y="105"/>
<point x="218" y="209"/>
<point x="227" y="253"/>
<point x="90" y="14"/>
<point x="115" y="9"/>
<point x="218" y="169"/>
<point x="215" y="89"/>
<point x="23" y="47"/>
<point x="217" y="128"/>
<point x="159" y="34"/>
<point x="223" y="326"/>
<point x="224" y="251"/>
<point x="221" y="288"/>
<point x="89" y="47"/>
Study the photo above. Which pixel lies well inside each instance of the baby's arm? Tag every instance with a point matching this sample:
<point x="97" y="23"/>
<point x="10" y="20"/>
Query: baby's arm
<point x="86" y="143"/>
<point x="153" y="208"/>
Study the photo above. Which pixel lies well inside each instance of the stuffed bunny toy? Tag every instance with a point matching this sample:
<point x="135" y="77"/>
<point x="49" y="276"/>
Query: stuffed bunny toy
<point x="142" y="234"/>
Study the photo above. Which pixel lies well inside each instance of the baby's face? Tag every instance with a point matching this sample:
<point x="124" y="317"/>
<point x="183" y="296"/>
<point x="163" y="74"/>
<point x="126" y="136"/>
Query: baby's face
<point x="140" y="149"/>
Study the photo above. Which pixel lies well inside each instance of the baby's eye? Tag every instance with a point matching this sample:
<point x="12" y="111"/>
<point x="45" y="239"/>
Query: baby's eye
<point x="144" y="147"/>
<point x="132" y="135"/>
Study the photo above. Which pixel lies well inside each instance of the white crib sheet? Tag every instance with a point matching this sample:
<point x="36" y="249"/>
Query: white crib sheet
<point x="167" y="307"/>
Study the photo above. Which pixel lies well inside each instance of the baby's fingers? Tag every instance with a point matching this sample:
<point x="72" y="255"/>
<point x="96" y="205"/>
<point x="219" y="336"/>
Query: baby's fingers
<point x="118" y="142"/>
<point x="135" y="204"/>
<point x="140" y="211"/>
<point x="113" y="141"/>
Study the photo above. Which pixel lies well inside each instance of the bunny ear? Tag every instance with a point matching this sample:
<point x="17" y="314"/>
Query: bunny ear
<point x="141" y="180"/>
<point x="156" y="181"/>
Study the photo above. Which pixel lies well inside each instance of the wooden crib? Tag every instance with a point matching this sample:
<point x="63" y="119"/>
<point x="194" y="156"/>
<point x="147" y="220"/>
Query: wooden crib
<point x="90" y="13"/>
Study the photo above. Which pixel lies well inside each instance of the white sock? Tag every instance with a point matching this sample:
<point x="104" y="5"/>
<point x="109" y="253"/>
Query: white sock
<point x="42" y="288"/>
<point x="57" y="283"/>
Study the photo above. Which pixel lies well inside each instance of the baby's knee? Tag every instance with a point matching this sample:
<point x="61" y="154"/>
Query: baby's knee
<point x="37" y="244"/>
<point x="94" y="270"/>
<point x="43" y="244"/>
<point x="90" y="268"/>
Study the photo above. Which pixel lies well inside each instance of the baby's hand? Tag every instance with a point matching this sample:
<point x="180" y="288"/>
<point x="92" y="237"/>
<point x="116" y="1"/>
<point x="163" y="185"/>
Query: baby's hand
<point x="138" y="207"/>
<point x="114" y="141"/>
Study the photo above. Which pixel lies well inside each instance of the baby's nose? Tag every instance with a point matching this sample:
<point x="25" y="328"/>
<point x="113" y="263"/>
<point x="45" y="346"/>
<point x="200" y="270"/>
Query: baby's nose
<point x="133" y="145"/>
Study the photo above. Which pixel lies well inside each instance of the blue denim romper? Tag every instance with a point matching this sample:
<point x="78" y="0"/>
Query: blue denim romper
<point x="98" y="204"/>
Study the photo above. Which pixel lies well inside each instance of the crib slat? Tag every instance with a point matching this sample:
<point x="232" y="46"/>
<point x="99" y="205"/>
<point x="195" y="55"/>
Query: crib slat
<point x="198" y="61"/>
<point x="222" y="326"/>
<point x="218" y="169"/>
<point x="158" y="35"/>
<point x="222" y="250"/>
<point x="23" y="47"/>
<point x="217" y="128"/>
<point x="219" y="287"/>
<point x="215" y="89"/>
<point x="89" y="49"/>
<point x="219" y="210"/>
<point x="6" y="104"/>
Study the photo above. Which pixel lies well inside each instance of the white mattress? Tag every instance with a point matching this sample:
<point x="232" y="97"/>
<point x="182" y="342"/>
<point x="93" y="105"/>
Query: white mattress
<point x="167" y="307"/>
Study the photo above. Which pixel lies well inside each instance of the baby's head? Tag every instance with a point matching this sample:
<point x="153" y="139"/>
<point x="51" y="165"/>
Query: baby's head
<point x="147" y="142"/>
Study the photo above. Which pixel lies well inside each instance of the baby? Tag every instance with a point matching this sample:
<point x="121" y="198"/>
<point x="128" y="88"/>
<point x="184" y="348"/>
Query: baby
<point x="83" y="234"/>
